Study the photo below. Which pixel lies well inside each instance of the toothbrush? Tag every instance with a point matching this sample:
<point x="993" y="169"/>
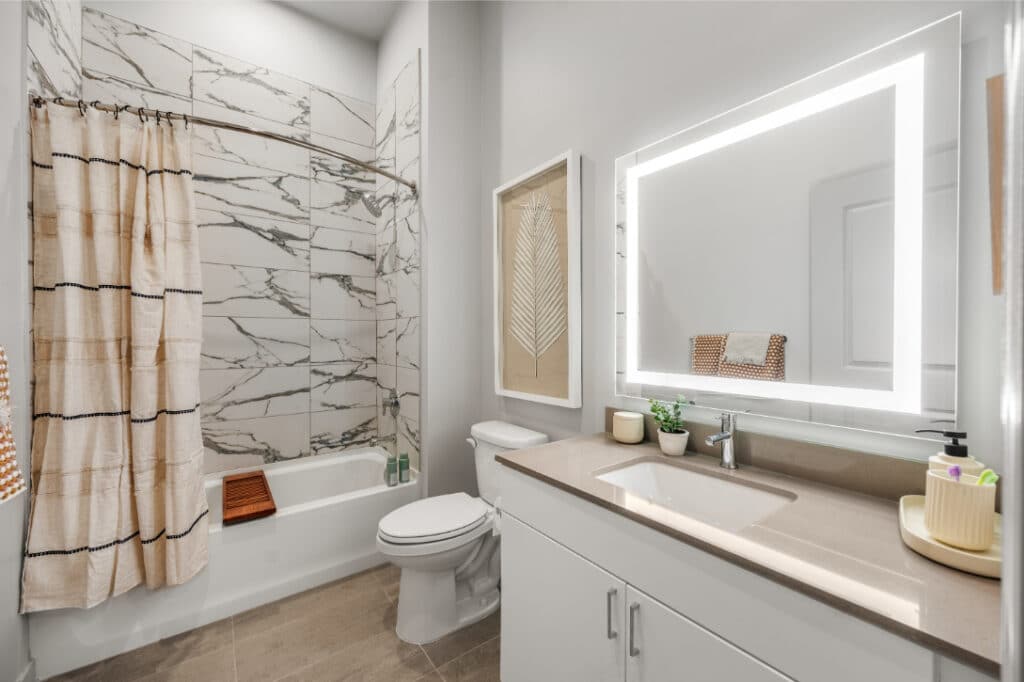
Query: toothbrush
<point x="954" y="473"/>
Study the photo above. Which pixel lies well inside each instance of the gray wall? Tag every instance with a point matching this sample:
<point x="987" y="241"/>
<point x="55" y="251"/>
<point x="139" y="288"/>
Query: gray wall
<point x="14" y="327"/>
<point x="608" y="78"/>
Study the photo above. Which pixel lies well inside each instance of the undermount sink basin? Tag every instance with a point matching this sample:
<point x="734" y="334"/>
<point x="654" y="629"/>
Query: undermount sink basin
<point x="730" y="505"/>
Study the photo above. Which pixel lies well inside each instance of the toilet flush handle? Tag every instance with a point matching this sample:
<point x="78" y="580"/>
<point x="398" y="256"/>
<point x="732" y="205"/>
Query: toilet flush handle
<point x="472" y="442"/>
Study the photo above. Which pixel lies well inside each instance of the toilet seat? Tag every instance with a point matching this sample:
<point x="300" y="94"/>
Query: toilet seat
<point x="434" y="519"/>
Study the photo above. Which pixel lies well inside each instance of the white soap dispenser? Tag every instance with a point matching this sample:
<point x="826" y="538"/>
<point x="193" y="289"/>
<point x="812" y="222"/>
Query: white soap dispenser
<point x="953" y="453"/>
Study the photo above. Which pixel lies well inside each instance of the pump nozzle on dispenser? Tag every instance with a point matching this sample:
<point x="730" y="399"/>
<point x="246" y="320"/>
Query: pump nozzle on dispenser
<point x="953" y="453"/>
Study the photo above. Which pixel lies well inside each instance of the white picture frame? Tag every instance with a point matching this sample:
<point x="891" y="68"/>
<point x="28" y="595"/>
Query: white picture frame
<point x="574" y="377"/>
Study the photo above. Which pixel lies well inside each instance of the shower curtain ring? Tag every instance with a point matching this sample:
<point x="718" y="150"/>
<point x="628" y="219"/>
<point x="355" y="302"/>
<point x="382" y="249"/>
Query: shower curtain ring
<point x="142" y="117"/>
<point x="185" y="118"/>
<point x="59" y="100"/>
<point x="117" y="111"/>
<point x="158" y="117"/>
<point x="81" y="107"/>
<point x="95" y="104"/>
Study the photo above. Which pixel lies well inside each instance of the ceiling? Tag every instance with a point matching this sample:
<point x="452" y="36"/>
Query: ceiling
<point x="366" y="18"/>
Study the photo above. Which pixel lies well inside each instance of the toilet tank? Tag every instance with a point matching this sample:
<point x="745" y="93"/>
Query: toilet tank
<point x="490" y="438"/>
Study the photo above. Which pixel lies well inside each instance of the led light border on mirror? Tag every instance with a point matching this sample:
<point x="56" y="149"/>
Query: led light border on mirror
<point x="907" y="78"/>
<point x="901" y="64"/>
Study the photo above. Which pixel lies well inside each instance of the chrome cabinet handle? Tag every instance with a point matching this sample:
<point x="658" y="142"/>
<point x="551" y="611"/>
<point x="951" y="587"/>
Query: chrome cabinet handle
<point x="634" y="608"/>
<point x="608" y="612"/>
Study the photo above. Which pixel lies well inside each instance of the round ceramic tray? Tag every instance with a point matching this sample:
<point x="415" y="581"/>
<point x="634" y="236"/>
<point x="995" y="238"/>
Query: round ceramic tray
<point x="988" y="563"/>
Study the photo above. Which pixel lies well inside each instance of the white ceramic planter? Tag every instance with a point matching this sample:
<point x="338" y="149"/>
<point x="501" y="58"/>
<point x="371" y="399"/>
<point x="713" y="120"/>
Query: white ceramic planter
<point x="673" y="444"/>
<point x="961" y="513"/>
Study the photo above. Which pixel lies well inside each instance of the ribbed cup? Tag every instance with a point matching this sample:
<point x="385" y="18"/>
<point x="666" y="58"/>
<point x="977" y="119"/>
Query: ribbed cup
<point x="961" y="513"/>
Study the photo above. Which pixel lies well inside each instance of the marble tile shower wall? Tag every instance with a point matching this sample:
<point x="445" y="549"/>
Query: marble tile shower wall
<point x="290" y="242"/>
<point x="398" y="262"/>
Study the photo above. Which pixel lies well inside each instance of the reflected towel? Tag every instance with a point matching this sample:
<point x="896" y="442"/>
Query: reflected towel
<point x="747" y="348"/>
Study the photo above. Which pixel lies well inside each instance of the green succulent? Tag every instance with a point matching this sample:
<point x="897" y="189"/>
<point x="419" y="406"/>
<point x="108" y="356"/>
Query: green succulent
<point x="669" y="417"/>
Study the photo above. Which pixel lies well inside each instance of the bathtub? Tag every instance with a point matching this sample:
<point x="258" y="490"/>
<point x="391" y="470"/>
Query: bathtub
<point x="325" y="528"/>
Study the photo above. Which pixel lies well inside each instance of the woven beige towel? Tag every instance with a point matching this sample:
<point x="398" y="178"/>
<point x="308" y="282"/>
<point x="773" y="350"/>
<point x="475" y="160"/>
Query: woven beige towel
<point x="11" y="481"/>
<point x="707" y="356"/>
<point x="117" y="453"/>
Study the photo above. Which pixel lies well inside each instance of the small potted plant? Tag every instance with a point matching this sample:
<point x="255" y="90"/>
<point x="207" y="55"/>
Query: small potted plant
<point x="672" y="437"/>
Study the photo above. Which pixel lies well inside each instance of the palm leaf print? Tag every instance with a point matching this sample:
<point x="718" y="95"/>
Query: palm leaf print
<point x="538" y="296"/>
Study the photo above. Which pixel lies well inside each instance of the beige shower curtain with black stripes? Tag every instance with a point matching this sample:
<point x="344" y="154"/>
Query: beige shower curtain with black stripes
<point x="117" y="453"/>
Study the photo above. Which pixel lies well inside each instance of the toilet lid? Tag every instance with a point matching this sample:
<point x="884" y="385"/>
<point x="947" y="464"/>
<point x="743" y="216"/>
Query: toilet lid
<point x="434" y="518"/>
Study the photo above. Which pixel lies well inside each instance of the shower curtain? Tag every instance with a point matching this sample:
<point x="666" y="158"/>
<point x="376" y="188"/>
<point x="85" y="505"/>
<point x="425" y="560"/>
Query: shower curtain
<point x="117" y="486"/>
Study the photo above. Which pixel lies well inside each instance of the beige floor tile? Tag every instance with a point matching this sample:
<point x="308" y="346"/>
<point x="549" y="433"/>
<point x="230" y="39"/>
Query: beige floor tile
<point x="301" y="642"/>
<point x="390" y="577"/>
<point x="382" y="658"/>
<point x="157" y="657"/>
<point x="478" y="665"/>
<point x="350" y="596"/>
<point x="459" y="642"/>
<point x="216" y="666"/>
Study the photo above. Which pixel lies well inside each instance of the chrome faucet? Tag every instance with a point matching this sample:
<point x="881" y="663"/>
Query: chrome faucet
<point x="725" y="437"/>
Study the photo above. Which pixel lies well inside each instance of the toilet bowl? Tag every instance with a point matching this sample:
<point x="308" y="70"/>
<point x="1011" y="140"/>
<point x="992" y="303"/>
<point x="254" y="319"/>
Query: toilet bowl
<point x="447" y="548"/>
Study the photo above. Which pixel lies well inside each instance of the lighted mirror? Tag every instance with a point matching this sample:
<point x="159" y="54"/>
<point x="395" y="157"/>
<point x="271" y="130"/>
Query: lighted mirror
<point x="800" y="252"/>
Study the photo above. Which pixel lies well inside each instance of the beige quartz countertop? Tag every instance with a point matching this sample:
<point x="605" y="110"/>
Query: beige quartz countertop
<point x="840" y="547"/>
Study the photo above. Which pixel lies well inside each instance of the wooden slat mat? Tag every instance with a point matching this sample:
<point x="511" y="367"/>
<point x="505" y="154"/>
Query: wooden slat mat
<point x="247" y="497"/>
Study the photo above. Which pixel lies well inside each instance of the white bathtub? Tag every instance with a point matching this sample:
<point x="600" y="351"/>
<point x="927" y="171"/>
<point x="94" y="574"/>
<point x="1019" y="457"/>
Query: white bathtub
<point x="325" y="528"/>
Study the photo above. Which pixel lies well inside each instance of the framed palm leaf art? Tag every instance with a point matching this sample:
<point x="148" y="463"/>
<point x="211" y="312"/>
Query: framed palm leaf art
<point x="537" y="284"/>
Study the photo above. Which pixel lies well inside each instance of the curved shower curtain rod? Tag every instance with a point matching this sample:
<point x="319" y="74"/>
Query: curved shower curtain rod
<point x="214" y="123"/>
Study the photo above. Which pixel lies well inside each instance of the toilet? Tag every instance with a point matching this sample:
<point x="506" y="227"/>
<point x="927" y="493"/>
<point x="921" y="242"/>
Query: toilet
<point x="446" y="545"/>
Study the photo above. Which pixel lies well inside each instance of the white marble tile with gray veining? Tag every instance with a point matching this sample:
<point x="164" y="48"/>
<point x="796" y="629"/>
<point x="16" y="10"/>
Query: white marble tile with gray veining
<point x="387" y="296"/>
<point x="387" y="378"/>
<point x="239" y="239"/>
<point x="387" y="350"/>
<point x="116" y="90"/>
<point x="136" y="54"/>
<point x="407" y="285"/>
<point x="343" y="117"/>
<point x="342" y="252"/>
<point x="385" y="225"/>
<point x="407" y="116"/>
<point x="407" y="342"/>
<point x="407" y="242"/>
<point x="339" y="430"/>
<point x="230" y="394"/>
<point x="343" y="205"/>
<point x="408" y="442"/>
<point x="54" y="42"/>
<point x="237" y="85"/>
<point x="408" y="433"/>
<point x="343" y="340"/>
<point x="248" y="190"/>
<point x="246" y="149"/>
<point x="384" y="139"/>
<point x="342" y="386"/>
<point x="342" y="297"/>
<point x="238" y="291"/>
<point x="244" y="442"/>
<point x="254" y="342"/>
<point x="408" y="389"/>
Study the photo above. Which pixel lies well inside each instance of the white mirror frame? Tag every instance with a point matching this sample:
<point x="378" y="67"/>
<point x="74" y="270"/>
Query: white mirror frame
<point x="907" y="78"/>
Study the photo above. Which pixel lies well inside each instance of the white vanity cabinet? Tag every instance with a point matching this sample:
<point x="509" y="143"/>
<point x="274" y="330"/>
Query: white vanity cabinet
<point x="664" y="645"/>
<point x="572" y="569"/>
<point x="561" y="616"/>
<point x="566" y="619"/>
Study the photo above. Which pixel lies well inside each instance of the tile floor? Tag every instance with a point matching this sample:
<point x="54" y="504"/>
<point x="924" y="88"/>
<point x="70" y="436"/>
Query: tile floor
<point x="341" y="631"/>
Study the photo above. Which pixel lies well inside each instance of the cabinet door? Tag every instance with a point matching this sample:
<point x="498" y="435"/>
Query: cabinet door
<point x="562" y="617"/>
<point x="665" y="646"/>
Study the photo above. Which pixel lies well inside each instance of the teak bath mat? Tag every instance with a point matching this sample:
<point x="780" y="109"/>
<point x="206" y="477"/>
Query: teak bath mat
<point x="247" y="497"/>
